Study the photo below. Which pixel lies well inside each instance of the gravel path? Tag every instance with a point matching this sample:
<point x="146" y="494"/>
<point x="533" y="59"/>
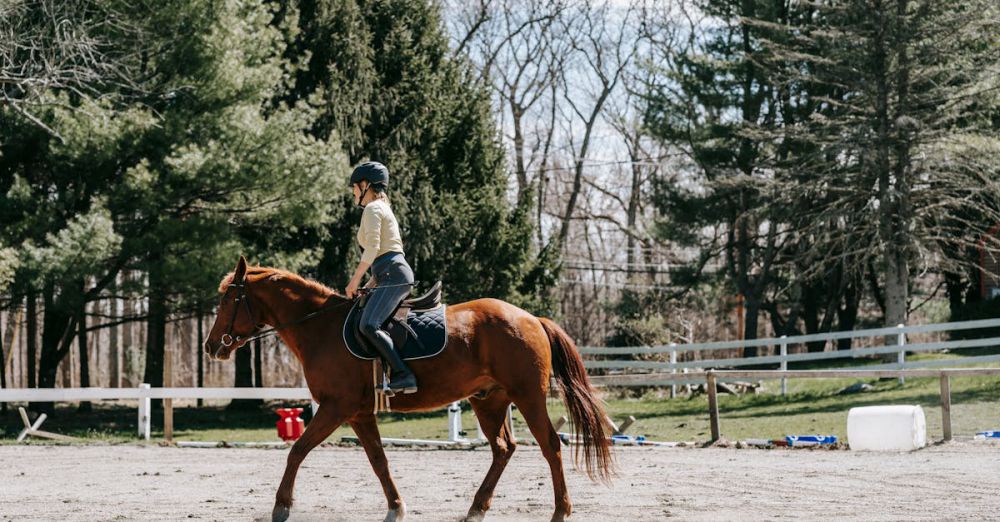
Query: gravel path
<point x="958" y="481"/>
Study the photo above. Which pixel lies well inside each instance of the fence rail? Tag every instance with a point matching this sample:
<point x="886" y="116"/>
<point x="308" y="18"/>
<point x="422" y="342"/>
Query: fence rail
<point x="144" y="394"/>
<point x="783" y="358"/>
<point x="798" y="339"/>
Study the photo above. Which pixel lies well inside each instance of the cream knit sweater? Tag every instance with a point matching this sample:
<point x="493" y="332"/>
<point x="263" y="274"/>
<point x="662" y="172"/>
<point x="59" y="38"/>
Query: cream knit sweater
<point x="379" y="231"/>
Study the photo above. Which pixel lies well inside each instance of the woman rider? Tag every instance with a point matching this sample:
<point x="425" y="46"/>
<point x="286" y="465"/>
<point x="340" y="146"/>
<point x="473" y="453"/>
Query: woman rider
<point x="392" y="276"/>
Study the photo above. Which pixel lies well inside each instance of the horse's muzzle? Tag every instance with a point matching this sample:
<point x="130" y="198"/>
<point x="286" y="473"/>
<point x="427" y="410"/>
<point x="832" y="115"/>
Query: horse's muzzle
<point x="218" y="351"/>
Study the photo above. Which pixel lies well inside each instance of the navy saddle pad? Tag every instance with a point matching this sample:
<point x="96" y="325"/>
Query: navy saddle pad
<point x="429" y="325"/>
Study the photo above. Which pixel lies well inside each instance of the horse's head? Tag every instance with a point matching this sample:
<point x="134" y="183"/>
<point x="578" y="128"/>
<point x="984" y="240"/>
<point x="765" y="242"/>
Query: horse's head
<point x="235" y="321"/>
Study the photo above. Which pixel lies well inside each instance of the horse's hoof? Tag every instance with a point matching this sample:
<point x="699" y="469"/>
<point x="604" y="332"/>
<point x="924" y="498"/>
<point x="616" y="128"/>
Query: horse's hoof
<point x="396" y="515"/>
<point x="474" y="516"/>
<point x="280" y="514"/>
<point x="559" y="517"/>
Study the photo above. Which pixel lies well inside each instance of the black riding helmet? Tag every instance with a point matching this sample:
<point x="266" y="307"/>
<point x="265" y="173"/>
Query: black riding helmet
<point x="374" y="173"/>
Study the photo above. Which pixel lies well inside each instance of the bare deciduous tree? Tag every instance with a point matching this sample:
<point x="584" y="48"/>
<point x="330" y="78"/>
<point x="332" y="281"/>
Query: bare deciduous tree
<point x="57" y="45"/>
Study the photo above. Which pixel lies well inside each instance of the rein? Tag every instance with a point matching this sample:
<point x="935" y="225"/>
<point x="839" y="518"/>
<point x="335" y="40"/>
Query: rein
<point x="228" y="340"/>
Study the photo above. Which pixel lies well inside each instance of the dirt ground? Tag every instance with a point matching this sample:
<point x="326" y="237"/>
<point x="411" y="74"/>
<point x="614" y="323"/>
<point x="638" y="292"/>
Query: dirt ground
<point x="957" y="481"/>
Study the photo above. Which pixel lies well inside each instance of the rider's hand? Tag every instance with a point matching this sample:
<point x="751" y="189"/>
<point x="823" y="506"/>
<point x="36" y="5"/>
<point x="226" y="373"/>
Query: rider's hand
<point x="352" y="289"/>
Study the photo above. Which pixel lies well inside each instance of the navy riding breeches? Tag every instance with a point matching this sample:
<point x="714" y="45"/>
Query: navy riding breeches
<point x="394" y="279"/>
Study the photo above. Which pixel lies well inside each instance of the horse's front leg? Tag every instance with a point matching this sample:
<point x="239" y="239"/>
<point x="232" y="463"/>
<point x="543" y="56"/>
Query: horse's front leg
<point x="366" y="428"/>
<point x="322" y="425"/>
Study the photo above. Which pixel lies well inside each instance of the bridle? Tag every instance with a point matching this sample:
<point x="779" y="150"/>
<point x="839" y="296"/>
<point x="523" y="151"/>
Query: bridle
<point x="227" y="338"/>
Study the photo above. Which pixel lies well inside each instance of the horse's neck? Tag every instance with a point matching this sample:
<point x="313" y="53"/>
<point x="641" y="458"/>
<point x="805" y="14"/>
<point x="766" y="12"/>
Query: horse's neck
<point x="288" y="303"/>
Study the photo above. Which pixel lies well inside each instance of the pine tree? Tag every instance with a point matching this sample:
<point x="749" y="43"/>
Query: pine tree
<point x="170" y="185"/>
<point x="895" y="170"/>
<point x="381" y="75"/>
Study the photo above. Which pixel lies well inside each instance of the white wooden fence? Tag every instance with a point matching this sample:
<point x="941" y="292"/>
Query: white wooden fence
<point x="144" y="393"/>
<point x="660" y="368"/>
<point x="664" y="373"/>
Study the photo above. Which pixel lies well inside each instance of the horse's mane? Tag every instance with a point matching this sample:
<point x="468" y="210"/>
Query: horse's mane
<point x="275" y="274"/>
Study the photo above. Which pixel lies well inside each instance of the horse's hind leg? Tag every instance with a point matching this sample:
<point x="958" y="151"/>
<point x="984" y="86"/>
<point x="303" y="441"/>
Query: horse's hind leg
<point x="366" y="427"/>
<point x="533" y="409"/>
<point x="326" y="420"/>
<point x="492" y="415"/>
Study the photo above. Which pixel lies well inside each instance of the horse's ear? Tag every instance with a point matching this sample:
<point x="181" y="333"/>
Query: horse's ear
<point x="241" y="269"/>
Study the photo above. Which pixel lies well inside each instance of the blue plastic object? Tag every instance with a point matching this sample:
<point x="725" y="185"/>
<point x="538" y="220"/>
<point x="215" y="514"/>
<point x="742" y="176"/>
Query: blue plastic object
<point x="989" y="434"/>
<point x="627" y="439"/>
<point x="810" y="440"/>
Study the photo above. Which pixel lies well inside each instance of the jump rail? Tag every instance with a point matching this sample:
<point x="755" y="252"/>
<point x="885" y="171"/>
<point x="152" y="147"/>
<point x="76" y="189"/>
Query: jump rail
<point x="712" y="377"/>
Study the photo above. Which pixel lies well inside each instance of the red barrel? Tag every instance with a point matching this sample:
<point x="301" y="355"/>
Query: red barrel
<point x="290" y="427"/>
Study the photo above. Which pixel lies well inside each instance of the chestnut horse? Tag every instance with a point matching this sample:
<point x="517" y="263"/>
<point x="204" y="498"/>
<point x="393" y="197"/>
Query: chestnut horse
<point x="496" y="354"/>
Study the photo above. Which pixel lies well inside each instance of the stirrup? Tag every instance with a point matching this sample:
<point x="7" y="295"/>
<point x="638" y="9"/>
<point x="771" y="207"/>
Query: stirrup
<point x="406" y="388"/>
<point x="384" y="389"/>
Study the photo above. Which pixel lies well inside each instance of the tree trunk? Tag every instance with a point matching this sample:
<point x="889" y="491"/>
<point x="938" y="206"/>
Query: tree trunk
<point x="200" y="352"/>
<point x="956" y="292"/>
<point x="3" y="367"/>
<point x="751" y="314"/>
<point x="57" y="335"/>
<point x="847" y="315"/>
<point x="127" y="349"/>
<point x="244" y="378"/>
<point x="258" y="364"/>
<point x="114" y="348"/>
<point x="810" y="316"/>
<point x="891" y="221"/>
<point x="81" y="342"/>
<point x="156" y="330"/>
<point x="31" y="343"/>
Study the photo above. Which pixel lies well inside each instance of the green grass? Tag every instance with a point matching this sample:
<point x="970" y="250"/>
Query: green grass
<point x="812" y="406"/>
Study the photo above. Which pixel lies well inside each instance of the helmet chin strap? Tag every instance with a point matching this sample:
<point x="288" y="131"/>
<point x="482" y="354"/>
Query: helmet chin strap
<point x="361" y="198"/>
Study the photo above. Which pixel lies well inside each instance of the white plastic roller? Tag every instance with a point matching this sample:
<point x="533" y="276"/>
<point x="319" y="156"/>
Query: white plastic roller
<point x="886" y="428"/>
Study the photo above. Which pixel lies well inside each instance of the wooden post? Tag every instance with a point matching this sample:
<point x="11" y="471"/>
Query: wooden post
<point x="946" y="405"/>
<point x="673" y="368"/>
<point x="784" y="364"/>
<point x="625" y="425"/>
<point x="713" y="405"/>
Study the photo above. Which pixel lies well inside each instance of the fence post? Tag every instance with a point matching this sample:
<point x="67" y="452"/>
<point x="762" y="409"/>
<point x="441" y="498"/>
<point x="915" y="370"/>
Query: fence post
<point x="901" y="355"/>
<point x="673" y="368"/>
<point x="713" y="405"/>
<point x="454" y="421"/>
<point x="144" y="411"/>
<point x="946" y="405"/>
<point x="784" y="363"/>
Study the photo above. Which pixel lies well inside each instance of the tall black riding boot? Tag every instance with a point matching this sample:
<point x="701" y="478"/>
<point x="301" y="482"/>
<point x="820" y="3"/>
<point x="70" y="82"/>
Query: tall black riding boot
<point x="401" y="378"/>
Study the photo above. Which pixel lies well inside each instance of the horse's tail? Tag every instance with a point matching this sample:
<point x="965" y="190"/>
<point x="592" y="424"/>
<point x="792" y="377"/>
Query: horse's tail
<point x="589" y="419"/>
